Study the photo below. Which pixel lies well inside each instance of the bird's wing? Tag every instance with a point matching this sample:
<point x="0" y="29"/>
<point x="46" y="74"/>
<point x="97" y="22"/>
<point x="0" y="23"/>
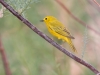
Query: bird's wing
<point x="61" y="29"/>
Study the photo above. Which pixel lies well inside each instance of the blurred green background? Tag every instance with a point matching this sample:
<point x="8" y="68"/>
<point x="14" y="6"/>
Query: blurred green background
<point x="29" y="54"/>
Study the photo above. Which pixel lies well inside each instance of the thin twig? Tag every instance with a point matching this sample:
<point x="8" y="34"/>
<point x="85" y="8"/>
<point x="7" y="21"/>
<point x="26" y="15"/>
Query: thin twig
<point x="74" y="17"/>
<point x="96" y="3"/>
<point x="98" y="74"/>
<point x="4" y="59"/>
<point x="93" y="4"/>
<point x="31" y="26"/>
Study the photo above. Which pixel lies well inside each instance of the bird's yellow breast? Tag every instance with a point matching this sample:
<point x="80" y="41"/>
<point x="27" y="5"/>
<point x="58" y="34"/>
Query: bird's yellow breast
<point x="55" y="34"/>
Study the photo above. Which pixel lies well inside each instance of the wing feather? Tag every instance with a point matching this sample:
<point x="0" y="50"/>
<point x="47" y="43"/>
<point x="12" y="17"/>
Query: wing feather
<point x="60" y="29"/>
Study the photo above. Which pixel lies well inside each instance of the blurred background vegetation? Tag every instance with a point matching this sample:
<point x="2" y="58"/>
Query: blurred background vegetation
<point x="29" y="54"/>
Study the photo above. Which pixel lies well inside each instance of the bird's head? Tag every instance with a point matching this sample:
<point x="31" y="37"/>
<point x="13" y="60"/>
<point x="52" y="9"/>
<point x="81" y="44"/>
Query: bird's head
<point x="48" y="19"/>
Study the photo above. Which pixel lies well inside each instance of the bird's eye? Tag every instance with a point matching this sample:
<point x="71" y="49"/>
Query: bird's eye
<point x="45" y="18"/>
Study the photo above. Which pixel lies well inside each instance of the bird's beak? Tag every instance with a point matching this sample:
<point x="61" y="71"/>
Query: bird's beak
<point x="41" y="20"/>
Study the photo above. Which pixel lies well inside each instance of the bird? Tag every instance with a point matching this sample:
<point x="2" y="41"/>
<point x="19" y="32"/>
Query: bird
<point x="57" y="29"/>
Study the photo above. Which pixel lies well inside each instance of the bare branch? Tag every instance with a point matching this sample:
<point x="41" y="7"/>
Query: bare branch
<point x="31" y="26"/>
<point x="93" y="4"/>
<point x="74" y="17"/>
<point x="98" y="74"/>
<point x="96" y="3"/>
<point x="4" y="59"/>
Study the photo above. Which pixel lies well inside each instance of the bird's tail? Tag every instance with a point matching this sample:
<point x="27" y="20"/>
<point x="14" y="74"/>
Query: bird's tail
<point x="68" y="40"/>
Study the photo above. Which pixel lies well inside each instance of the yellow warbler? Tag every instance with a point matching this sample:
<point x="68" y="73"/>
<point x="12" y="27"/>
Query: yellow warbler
<point x="58" y="30"/>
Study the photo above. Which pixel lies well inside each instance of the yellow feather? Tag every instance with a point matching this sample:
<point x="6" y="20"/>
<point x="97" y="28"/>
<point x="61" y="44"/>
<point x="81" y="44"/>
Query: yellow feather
<point x="58" y="30"/>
